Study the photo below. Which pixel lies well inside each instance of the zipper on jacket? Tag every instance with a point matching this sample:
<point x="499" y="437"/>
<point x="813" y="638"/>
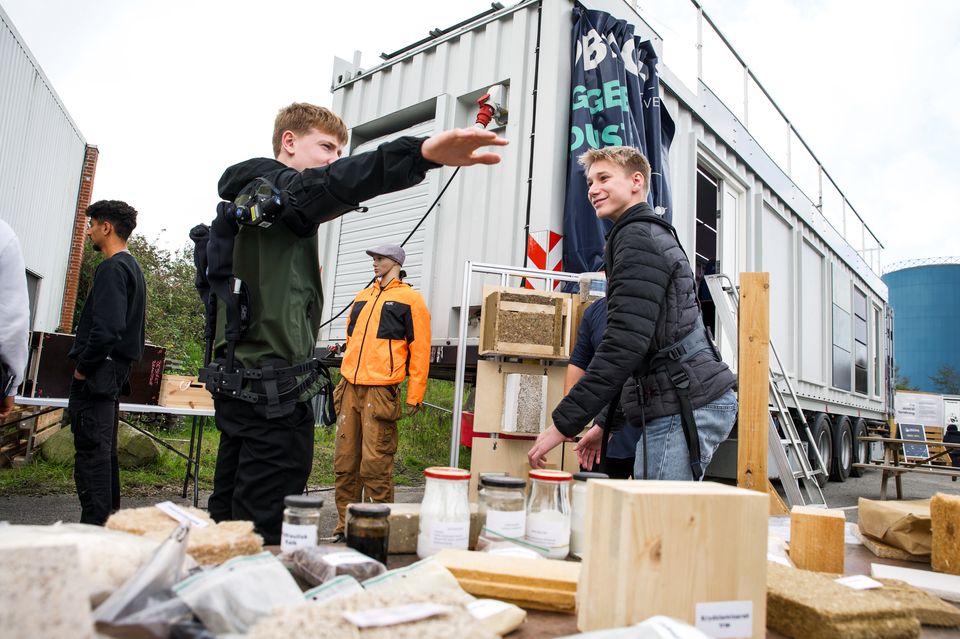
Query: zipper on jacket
<point x="390" y="348"/>
<point x="365" y="328"/>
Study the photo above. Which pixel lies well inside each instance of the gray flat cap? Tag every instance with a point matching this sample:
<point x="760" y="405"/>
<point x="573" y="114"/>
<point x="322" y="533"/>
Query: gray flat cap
<point x="394" y="251"/>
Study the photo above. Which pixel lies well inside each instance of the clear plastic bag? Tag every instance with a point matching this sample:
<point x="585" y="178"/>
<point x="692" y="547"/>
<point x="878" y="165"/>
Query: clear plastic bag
<point x="319" y="564"/>
<point x="145" y="605"/>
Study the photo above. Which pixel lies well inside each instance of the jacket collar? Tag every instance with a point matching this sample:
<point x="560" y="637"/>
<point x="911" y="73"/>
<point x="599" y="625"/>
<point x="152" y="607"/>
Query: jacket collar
<point x="394" y="283"/>
<point x="636" y="211"/>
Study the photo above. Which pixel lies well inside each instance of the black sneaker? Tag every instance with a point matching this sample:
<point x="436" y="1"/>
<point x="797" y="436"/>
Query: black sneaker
<point x="338" y="538"/>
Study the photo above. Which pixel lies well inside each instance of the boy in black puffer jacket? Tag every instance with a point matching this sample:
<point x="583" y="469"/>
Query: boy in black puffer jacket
<point x="684" y="402"/>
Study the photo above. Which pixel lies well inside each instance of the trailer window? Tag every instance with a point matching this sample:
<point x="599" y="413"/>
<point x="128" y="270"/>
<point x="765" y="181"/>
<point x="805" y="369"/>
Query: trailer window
<point x="708" y="205"/>
<point x="842" y="342"/>
<point x="860" y="360"/>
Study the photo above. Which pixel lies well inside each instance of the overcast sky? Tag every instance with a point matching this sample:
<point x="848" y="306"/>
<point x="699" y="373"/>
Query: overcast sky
<point x="173" y="92"/>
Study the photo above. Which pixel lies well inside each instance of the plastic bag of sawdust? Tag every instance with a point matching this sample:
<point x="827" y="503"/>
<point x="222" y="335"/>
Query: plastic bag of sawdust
<point x="145" y="605"/>
<point x="234" y="595"/>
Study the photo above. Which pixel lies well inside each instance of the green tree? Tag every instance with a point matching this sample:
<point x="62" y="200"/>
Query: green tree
<point x="174" y="311"/>
<point x="902" y="381"/>
<point x="946" y="381"/>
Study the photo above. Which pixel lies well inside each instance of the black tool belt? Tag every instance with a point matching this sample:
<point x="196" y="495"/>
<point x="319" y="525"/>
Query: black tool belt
<point x="229" y="382"/>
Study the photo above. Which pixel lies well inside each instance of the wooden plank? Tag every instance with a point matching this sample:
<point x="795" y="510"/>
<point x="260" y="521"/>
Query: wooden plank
<point x="816" y="538"/>
<point x="754" y="376"/>
<point x="552" y="574"/>
<point x="777" y="507"/>
<point x="662" y="547"/>
<point x="537" y="598"/>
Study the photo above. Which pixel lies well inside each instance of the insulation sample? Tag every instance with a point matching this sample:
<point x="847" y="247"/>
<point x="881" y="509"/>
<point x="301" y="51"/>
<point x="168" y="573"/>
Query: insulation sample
<point x="525" y="403"/>
<point x="209" y="546"/>
<point x="929" y="609"/>
<point x="326" y="621"/>
<point x="40" y="595"/>
<point x="816" y="538"/>
<point x="945" y="526"/>
<point x="808" y="605"/>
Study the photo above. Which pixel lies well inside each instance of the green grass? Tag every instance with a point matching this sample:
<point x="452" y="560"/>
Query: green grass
<point x="424" y="442"/>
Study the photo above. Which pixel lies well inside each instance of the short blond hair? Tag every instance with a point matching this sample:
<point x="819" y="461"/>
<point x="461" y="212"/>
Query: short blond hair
<point x="300" y="117"/>
<point x="626" y="157"/>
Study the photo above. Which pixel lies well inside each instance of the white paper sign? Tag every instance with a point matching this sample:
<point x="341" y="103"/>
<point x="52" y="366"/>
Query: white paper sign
<point x="184" y="517"/>
<point x="506" y="523"/>
<point x="725" y="619"/>
<point x="450" y="534"/>
<point x="859" y="582"/>
<point x="395" y="615"/>
<point x="293" y="536"/>
<point x="345" y="558"/>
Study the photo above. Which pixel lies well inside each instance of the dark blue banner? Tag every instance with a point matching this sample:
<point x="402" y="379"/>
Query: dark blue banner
<point x="615" y="101"/>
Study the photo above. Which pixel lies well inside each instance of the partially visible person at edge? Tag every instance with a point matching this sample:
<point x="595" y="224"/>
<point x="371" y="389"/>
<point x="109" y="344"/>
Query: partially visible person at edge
<point x="623" y="437"/>
<point x="952" y="436"/>
<point x="109" y="340"/>
<point x="14" y="317"/>
<point x="388" y="336"/>
<point x="651" y="304"/>
<point x="261" y="460"/>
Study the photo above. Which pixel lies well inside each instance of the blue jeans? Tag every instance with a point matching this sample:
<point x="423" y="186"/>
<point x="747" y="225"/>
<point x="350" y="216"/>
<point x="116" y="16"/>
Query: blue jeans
<point x="667" y="454"/>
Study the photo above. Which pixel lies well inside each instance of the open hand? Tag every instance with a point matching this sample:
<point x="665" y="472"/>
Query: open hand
<point x="458" y="147"/>
<point x="588" y="448"/>
<point x="546" y="441"/>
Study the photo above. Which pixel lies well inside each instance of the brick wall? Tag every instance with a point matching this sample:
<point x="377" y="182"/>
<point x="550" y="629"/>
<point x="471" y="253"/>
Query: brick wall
<point x="77" y="241"/>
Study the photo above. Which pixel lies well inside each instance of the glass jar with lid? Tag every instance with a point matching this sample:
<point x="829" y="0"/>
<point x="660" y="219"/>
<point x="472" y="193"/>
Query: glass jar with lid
<point x="548" y="511"/>
<point x="301" y="522"/>
<point x="444" y="511"/>
<point x="578" y="515"/>
<point x="368" y="530"/>
<point x="502" y="507"/>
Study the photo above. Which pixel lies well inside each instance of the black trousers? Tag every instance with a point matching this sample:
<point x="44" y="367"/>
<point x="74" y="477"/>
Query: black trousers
<point x="94" y="419"/>
<point x="616" y="468"/>
<point x="259" y="462"/>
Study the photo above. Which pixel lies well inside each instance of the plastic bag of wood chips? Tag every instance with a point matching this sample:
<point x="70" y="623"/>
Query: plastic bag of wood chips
<point x="233" y="596"/>
<point x="319" y="564"/>
<point x="108" y="558"/>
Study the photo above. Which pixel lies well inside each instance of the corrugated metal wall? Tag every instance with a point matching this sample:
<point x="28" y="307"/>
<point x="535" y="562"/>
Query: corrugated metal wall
<point x="767" y="222"/>
<point x="41" y="158"/>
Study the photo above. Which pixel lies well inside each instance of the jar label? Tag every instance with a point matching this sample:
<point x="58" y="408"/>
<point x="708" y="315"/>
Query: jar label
<point x="450" y="534"/>
<point x="294" y="536"/>
<point x="546" y="529"/>
<point x="506" y="523"/>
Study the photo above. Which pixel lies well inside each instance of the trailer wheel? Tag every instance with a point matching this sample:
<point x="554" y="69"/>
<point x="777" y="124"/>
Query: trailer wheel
<point x="822" y="440"/>
<point x="861" y="450"/>
<point x="842" y="449"/>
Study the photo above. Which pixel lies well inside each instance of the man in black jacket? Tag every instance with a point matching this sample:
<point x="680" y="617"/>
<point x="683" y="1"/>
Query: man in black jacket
<point x="109" y="339"/>
<point x="655" y="355"/>
<point x="266" y="448"/>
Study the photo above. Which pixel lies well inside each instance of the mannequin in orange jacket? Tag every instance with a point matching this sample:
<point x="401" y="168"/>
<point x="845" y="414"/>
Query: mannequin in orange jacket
<point x="388" y="336"/>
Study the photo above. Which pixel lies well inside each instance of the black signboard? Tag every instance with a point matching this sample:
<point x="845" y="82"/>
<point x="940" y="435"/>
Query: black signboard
<point x="913" y="432"/>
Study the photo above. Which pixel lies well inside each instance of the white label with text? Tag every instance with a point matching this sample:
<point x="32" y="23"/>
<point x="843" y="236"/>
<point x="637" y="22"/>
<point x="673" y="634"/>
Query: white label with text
<point x="725" y="619"/>
<point x="294" y="536"/>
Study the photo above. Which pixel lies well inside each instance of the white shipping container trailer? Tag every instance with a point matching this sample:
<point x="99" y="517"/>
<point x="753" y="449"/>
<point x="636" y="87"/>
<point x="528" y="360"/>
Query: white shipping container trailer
<point x="41" y="163"/>
<point x="733" y="203"/>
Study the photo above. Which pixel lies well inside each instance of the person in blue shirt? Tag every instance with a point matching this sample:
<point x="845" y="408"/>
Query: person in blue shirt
<point x="622" y="445"/>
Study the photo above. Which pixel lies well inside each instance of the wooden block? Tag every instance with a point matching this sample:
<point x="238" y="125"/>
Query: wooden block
<point x="525" y="323"/>
<point x="754" y="381"/>
<point x="663" y="547"/>
<point x="183" y="391"/>
<point x="546" y="584"/>
<point x="816" y="538"/>
<point x="508" y="456"/>
<point x="945" y="525"/>
<point x="489" y="404"/>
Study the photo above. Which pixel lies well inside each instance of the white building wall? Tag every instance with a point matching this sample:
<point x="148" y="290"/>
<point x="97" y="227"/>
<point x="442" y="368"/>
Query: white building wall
<point x="41" y="159"/>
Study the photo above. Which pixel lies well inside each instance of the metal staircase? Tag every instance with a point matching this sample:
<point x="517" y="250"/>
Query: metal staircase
<point x="799" y="479"/>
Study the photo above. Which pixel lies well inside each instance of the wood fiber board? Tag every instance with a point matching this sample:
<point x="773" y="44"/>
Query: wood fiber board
<point x="885" y="551"/>
<point x="929" y="609"/>
<point x="801" y="603"/>
<point x="944" y="586"/>
<point x="945" y="527"/>
<point x="662" y="547"/>
<point x="488" y="406"/>
<point x="817" y="538"/>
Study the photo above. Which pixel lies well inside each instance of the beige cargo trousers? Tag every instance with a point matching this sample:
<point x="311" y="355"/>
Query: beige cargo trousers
<point x="365" y="445"/>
